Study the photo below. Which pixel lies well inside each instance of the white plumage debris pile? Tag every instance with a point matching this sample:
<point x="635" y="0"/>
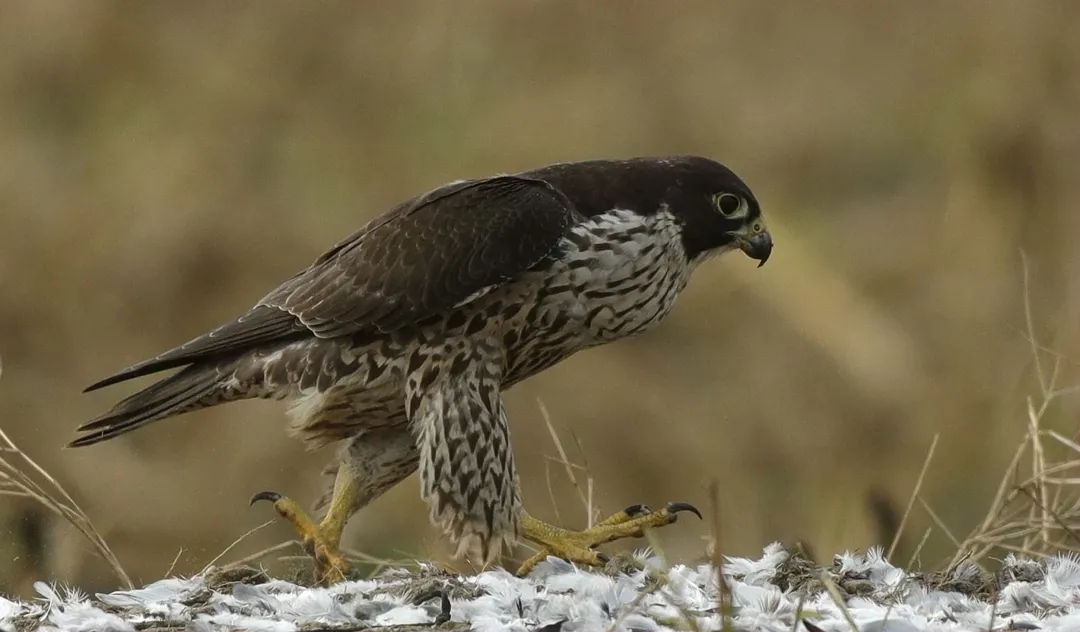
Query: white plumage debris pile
<point x="767" y="594"/>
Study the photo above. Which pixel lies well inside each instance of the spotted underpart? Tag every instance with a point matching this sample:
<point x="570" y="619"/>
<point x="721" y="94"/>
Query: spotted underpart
<point x="399" y="341"/>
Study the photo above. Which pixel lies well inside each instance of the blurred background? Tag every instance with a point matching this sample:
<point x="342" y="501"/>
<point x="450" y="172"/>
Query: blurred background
<point x="163" y="165"/>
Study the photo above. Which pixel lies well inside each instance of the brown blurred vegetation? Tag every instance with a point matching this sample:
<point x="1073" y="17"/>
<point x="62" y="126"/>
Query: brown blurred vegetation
<point x="162" y="165"/>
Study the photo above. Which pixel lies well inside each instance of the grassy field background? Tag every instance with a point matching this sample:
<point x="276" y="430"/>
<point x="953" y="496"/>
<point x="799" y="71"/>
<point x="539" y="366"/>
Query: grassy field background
<point x="163" y="165"/>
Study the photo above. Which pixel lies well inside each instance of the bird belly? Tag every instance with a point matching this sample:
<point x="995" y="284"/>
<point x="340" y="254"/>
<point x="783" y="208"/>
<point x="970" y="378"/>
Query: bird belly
<point x="344" y="411"/>
<point x="339" y="387"/>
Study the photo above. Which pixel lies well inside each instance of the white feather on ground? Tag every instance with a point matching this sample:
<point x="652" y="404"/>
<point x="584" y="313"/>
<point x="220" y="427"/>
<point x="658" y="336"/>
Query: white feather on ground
<point x="767" y="594"/>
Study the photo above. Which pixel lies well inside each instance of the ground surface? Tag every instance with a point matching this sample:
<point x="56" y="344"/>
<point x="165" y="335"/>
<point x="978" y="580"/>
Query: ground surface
<point x="634" y="593"/>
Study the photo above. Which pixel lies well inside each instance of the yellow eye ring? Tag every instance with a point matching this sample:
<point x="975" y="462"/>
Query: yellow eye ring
<point x="727" y="203"/>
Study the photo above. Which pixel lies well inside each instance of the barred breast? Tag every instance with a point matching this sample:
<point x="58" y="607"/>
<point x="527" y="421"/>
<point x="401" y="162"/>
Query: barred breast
<point x="617" y="275"/>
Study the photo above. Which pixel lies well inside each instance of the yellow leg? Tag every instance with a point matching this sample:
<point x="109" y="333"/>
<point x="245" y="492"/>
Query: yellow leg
<point x="578" y="546"/>
<point x="322" y="541"/>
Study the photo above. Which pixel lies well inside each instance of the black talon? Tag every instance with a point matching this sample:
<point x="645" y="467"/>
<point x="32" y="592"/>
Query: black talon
<point x="677" y="507"/>
<point x="637" y="510"/>
<point x="604" y="559"/>
<point x="271" y="496"/>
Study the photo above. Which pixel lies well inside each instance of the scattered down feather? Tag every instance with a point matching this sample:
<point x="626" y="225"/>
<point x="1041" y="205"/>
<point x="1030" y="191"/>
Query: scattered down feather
<point x="767" y="594"/>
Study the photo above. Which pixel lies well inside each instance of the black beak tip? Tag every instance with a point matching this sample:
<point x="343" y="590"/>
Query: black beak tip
<point x="759" y="247"/>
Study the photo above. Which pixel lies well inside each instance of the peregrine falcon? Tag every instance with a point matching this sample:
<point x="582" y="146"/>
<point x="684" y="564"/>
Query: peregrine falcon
<point x="398" y="342"/>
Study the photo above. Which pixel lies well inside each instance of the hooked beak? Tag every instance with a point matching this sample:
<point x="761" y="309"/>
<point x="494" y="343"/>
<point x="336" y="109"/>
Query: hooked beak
<point x="757" y="246"/>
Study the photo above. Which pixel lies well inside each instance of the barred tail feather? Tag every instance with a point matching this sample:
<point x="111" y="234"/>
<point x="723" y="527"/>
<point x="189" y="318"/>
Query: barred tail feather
<point x="195" y="387"/>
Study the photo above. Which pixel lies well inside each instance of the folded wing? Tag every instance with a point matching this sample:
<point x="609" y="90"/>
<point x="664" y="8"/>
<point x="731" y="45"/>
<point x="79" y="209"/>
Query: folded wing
<point x="420" y="258"/>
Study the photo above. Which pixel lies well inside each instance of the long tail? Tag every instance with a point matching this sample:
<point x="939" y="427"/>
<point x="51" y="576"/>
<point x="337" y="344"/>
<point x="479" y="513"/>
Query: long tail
<point x="198" y="386"/>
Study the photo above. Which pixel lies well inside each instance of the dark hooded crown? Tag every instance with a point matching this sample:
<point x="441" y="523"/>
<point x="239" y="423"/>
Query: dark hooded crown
<point x="689" y="187"/>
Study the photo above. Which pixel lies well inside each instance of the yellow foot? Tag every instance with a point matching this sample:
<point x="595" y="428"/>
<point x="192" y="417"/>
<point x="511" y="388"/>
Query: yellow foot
<point x="578" y="546"/>
<point x="321" y="541"/>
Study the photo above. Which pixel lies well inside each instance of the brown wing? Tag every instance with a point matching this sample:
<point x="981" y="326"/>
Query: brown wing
<point x="420" y="258"/>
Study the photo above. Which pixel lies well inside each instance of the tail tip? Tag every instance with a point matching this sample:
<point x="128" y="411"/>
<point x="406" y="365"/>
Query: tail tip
<point x="80" y="442"/>
<point x="109" y="381"/>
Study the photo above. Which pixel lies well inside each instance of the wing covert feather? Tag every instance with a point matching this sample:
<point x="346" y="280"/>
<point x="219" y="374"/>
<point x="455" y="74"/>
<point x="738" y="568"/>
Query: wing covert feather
<point x="428" y="255"/>
<point x="425" y="255"/>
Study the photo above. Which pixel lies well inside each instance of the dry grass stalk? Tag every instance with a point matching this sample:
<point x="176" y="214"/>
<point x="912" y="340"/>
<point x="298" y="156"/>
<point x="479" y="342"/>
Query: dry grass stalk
<point x="234" y="543"/>
<point x="914" y="495"/>
<point x="352" y="555"/>
<point x="940" y="523"/>
<point x="380" y="563"/>
<point x="172" y="566"/>
<point x="918" y="550"/>
<point x="268" y="551"/>
<point x="17" y="472"/>
<point x="586" y="496"/>
<point x="1033" y="515"/>
<point x="15" y="481"/>
<point x="592" y="512"/>
<point x="798" y="612"/>
<point x="838" y="598"/>
<point x="715" y="550"/>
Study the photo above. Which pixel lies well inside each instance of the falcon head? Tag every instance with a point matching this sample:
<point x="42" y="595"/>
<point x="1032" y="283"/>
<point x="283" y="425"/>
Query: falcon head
<point x="717" y="210"/>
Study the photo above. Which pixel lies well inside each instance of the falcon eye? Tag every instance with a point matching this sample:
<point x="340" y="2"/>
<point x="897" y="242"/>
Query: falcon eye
<point x="728" y="203"/>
